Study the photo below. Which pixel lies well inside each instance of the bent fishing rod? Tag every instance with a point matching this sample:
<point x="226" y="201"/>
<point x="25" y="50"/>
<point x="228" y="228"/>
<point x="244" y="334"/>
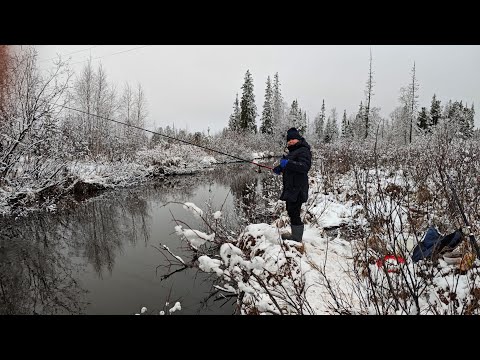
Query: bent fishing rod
<point x="169" y="137"/>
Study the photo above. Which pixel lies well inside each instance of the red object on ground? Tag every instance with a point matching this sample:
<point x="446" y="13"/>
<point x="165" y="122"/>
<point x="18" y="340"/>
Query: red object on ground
<point x="391" y="261"/>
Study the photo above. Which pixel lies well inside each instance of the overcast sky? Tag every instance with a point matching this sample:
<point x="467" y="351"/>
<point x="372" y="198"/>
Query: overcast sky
<point x="194" y="86"/>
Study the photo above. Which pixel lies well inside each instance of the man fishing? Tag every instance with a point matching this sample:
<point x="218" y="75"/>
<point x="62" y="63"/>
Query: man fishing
<point x="295" y="167"/>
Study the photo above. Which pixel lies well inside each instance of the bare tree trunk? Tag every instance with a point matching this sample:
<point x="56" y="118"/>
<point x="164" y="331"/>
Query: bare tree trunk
<point x="3" y="71"/>
<point x="89" y="79"/>
<point x="140" y="115"/>
<point x="101" y="109"/>
<point x="413" y="102"/>
<point x="127" y="113"/>
<point x="369" y="95"/>
<point x="4" y="59"/>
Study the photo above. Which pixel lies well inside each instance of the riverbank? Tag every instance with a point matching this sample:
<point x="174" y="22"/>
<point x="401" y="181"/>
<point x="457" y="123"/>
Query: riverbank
<point x="80" y="180"/>
<point x="84" y="180"/>
<point x="348" y="262"/>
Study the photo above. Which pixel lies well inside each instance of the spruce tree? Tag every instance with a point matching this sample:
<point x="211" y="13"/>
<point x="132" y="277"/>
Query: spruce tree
<point x="334" y="125"/>
<point x="472" y="117"/>
<point x="359" y="126"/>
<point x="234" y="121"/>
<point x="277" y="107"/>
<point x="423" y="120"/>
<point x="435" y="111"/>
<point x="320" y="123"/>
<point x="267" y="114"/>
<point x="327" y="135"/>
<point x="248" y="112"/>
<point x="344" y="124"/>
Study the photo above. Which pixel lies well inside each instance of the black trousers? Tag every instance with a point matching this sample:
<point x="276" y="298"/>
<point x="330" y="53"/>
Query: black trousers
<point x="293" y="210"/>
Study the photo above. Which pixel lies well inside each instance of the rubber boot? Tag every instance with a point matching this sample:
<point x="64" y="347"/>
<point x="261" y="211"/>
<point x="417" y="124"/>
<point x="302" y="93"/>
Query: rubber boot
<point x="296" y="234"/>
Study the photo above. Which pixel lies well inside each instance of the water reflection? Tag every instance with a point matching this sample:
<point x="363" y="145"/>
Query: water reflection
<point x="253" y="192"/>
<point x="97" y="257"/>
<point x="37" y="275"/>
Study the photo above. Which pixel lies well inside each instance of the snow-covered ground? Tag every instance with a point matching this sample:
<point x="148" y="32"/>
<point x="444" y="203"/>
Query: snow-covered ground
<point x="320" y="275"/>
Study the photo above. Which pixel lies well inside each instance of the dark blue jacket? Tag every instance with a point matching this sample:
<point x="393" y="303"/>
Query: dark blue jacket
<point x="295" y="174"/>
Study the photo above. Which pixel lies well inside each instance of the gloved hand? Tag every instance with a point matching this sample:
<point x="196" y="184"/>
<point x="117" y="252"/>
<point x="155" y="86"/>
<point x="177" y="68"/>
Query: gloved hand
<point x="283" y="163"/>
<point x="277" y="170"/>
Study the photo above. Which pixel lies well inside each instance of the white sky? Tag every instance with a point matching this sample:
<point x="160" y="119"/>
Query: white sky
<point x="194" y="86"/>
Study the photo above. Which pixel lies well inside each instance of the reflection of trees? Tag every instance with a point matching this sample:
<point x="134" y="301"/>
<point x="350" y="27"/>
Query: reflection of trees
<point x="244" y="189"/>
<point x="224" y="174"/>
<point x="36" y="253"/>
<point x="251" y="190"/>
<point x="101" y="226"/>
<point x="176" y="188"/>
<point x="95" y="229"/>
<point x="271" y="189"/>
<point x="36" y="275"/>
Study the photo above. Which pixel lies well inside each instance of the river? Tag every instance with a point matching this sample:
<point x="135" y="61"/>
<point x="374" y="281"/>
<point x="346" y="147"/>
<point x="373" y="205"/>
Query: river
<point x="101" y="256"/>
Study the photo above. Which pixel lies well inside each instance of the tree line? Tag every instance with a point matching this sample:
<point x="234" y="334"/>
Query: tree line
<point x="406" y="122"/>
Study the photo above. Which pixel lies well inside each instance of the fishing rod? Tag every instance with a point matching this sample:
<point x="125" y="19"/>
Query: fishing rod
<point x="462" y="212"/>
<point x="237" y="161"/>
<point x="169" y="137"/>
